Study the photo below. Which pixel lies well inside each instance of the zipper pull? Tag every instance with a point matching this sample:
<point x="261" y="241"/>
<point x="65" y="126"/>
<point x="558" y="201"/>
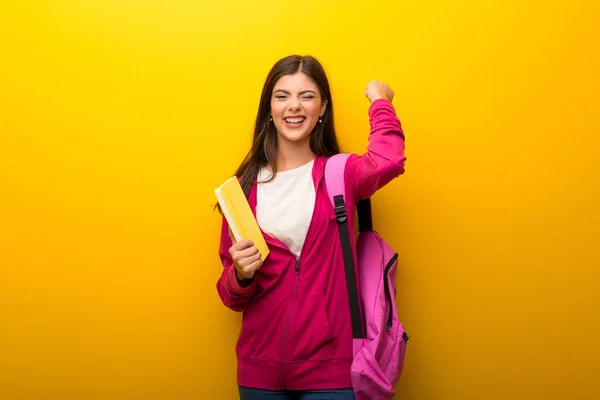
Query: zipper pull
<point x="297" y="266"/>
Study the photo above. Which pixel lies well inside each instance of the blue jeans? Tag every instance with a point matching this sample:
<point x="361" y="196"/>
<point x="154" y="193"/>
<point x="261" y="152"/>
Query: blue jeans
<point x="259" y="394"/>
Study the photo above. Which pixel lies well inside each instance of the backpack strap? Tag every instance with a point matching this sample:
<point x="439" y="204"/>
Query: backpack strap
<point x="336" y="189"/>
<point x="334" y="179"/>
<point x="334" y="176"/>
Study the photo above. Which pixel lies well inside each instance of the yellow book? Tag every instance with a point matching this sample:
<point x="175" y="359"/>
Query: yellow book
<point x="239" y="215"/>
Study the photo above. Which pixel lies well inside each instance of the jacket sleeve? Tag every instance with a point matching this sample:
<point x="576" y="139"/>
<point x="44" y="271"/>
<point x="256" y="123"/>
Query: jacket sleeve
<point x="233" y="294"/>
<point x="384" y="159"/>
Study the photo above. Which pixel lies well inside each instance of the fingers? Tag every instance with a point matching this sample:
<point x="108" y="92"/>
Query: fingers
<point x="245" y="243"/>
<point x="239" y="252"/>
<point x="256" y="257"/>
<point x="247" y="259"/>
<point x="241" y="245"/>
<point x="254" y="266"/>
<point x="249" y="270"/>
<point x="378" y="89"/>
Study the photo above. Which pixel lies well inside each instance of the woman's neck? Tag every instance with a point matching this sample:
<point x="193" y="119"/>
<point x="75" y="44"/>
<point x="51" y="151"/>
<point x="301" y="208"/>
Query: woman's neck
<point x="291" y="155"/>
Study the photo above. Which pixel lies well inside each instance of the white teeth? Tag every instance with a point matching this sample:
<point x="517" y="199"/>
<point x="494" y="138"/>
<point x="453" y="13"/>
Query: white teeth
<point x="294" y="120"/>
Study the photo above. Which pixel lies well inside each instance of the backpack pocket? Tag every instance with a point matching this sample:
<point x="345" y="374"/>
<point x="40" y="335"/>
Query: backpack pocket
<point x="369" y="381"/>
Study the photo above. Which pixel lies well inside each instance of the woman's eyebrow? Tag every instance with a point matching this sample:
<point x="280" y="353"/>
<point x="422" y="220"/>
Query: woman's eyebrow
<point x="301" y="93"/>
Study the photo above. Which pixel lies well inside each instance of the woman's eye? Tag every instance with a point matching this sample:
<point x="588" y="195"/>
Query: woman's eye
<point x="308" y="97"/>
<point x="280" y="97"/>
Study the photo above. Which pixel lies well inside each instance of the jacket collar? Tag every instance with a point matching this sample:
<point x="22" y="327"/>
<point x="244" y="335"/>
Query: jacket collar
<point x="318" y="173"/>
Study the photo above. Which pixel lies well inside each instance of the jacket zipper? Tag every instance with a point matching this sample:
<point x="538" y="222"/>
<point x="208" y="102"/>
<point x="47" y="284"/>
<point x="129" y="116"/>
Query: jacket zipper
<point x="388" y="295"/>
<point x="297" y="272"/>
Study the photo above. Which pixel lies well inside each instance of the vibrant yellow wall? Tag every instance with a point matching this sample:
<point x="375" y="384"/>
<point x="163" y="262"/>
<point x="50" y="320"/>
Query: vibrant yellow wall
<point x="119" y="117"/>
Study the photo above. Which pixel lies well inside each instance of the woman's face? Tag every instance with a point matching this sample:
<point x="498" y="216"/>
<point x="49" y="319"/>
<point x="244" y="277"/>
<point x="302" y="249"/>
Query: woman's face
<point x="296" y="105"/>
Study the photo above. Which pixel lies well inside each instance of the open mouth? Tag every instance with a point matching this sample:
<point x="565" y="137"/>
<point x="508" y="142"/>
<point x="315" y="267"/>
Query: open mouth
<point x="294" y="122"/>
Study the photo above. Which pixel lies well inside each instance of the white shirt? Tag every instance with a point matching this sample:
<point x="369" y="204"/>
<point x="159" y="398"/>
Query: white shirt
<point x="285" y="205"/>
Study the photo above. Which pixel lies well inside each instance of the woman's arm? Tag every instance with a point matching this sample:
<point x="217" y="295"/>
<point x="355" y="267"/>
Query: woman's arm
<point x="384" y="159"/>
<point x="234" y="293"/>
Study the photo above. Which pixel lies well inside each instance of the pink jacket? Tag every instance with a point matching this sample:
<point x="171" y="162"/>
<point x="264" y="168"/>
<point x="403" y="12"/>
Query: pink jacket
<point x="296" y="332"/>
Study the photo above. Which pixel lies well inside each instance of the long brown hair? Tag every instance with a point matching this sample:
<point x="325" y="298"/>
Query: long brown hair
<point x="323" y="141"/>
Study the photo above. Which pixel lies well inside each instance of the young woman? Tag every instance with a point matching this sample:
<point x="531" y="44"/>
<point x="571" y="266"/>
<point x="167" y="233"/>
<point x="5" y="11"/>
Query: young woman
<point x="296" y="336"/>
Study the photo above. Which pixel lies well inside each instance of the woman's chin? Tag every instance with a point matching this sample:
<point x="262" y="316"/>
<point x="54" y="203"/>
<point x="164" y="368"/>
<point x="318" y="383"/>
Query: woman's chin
<point x="294" y="136"/>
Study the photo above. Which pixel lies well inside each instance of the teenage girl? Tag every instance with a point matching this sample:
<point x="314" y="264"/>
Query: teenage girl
<point x="296" y="336"/>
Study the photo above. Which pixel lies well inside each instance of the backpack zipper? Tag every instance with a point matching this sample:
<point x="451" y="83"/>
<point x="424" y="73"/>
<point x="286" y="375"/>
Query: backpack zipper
<point x="388" y="295"/>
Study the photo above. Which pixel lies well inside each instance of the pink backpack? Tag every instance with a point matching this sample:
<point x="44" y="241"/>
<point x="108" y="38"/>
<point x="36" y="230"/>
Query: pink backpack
<point x="379" y="338"/>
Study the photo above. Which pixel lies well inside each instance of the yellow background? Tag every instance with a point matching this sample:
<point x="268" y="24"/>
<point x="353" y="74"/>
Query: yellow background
<point x="119" y="117"/>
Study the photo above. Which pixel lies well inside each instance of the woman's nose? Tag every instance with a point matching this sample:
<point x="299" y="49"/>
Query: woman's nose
<point x="294" y="104"/>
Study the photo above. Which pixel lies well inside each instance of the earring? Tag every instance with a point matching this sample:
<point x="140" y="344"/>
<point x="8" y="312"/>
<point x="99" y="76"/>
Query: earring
<point x="270" y="118"/>
<point x="320" y="119"/>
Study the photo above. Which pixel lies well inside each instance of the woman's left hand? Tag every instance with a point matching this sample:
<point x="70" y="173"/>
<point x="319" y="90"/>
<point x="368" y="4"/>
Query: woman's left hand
<point x="379" y="90"/>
